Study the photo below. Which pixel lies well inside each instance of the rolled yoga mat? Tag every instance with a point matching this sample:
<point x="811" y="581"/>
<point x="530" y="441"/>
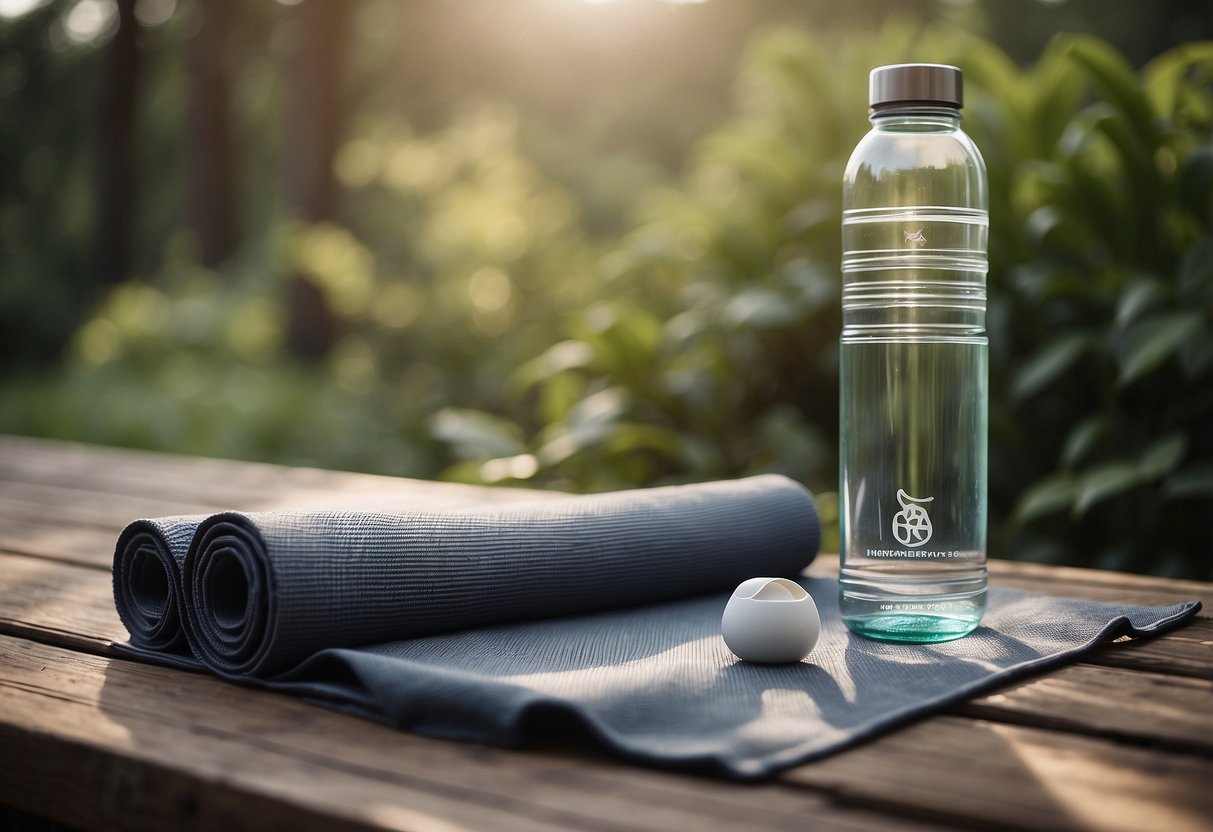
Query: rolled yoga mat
<point x="147" y="582"/>
<point x="597" y="614"/>
<point x="257" y="593"/>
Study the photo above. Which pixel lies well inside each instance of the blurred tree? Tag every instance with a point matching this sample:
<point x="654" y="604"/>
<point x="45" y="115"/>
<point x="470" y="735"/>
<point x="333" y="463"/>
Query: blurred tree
<point x="312" y="129"/>
<point x="210" y="206"/>
<point x="115" y="162"/>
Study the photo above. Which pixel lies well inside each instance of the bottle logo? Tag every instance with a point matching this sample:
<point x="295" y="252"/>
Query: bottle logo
<point x="912" y="525"/>
<point x="915" y="237"/>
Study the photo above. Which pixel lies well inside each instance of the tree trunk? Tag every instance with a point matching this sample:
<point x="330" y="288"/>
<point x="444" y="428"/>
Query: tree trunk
<point x="114" y="218"/>
<point x="312" y="130"/>
<point x="210" y="205"/>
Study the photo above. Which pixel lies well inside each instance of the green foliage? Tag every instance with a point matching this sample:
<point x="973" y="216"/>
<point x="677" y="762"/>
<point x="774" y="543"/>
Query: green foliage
<point x="1108" y="290"/>
<point x="714" y="354"/>
<point x="484" y="336"/>
<point x="465" y="256"/>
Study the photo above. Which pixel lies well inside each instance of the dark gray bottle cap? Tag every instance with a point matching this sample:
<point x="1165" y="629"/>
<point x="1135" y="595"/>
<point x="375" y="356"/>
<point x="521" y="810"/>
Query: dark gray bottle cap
<point x="937" y="84"/>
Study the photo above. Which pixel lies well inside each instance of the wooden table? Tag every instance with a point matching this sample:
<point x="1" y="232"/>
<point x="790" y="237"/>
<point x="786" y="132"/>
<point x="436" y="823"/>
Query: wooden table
<point x="1123" y="740"/>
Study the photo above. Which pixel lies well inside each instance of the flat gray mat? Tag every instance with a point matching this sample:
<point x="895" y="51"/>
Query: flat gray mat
<point x="498" y="625"/>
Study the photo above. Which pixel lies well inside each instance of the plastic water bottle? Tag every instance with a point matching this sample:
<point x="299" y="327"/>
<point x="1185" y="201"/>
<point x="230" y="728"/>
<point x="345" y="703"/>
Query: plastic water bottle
<point x="913" y="365"/>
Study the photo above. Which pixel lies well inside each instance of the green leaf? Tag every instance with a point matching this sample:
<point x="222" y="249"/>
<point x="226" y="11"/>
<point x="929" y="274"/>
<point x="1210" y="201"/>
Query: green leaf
<point x="475" y="434"/>
<point x="1196" y="184"/>
<point x="1103" y="482"/>
<point x="760" y="309"/>
<point x="634" y="436"/>
<point x="1115" y="79"/>
<point x="466" y="471"/>
<point x="1167" y="75"/>
<point x="1059" y="93"/>
<point x="1136" y="161"/>
<point x="1049" y="364"/>
<point x="815" y="285"/>
<point x="1139" y="297"/>
<point x="1082" y="439"/>
<point x="1146" y="345"/>
<point x="1100" y="200"/>
<point x="1196" y="355"/>
<point x="1161" y="457"/>
<point x="563" y="443"/>
<point x="559" y="395"/>
<point x="601" y="408"/>
<point x="1192" y="481"/>
<point x="1048" y="496"/>
<point x="590" y="423"/>
<point x="1055" y="231"/>
<point x="555" y="360"/>
<point x="1042" y="282"/>
<point x="1196" y="270"/>
<point x="624" y="338"/>
<point x="799" y="447"/>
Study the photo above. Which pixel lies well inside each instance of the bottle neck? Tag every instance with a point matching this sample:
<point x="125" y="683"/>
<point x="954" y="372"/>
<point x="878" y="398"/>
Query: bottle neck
<point x="915" y="117"/>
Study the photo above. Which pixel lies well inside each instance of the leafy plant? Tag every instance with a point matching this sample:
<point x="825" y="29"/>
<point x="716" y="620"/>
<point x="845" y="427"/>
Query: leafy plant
<point x="714" y="353"/>
<point x="1108" y="279"/>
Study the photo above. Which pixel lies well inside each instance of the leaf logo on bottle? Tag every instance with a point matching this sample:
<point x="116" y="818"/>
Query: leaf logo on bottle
<point x="912" y="525"/>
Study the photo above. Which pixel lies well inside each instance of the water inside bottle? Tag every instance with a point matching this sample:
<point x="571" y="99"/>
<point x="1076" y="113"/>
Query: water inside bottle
<point x="913" y="416"/>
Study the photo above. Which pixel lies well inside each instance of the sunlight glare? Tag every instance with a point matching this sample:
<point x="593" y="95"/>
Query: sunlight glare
<point x="153" y="13"/>
<point x="16" y="8"/>
<point x="90" y="19"/>
<point x="616" y="2"/>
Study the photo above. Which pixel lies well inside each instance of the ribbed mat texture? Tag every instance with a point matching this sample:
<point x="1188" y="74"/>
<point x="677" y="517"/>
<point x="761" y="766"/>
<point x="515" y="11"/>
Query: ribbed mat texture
<point x="597" y="613"/>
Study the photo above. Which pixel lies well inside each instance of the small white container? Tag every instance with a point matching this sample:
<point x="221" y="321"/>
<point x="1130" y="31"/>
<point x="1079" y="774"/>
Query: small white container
<point x="770" y="621"/>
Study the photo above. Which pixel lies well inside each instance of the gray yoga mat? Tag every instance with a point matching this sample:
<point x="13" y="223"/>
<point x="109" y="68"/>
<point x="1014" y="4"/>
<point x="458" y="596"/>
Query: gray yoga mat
<point x="597" y="614"/>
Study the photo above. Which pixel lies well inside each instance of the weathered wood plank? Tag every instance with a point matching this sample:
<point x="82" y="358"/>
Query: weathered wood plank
<point x="1130" y="706"/>
<point x="58" y="603"/>
<point x="68" y="606"/>
<point x="144" y="747"/>
<point x="34" y="536"/>
<point x="1013" y="777"/>
<point x="1072" y="575"/>
<point x="59" y="500"/>
<point x="89" y="505"/>
<point x="80" y="526"/>
<point x="26" y="459"/>
<point x="79" y="505"/>
<point x="1142" y="591"/>
<point x="212" y="483"/>
<point x="136" y="473"/>
<point x="1185" y="652"/>
<point x="107" y="768"/>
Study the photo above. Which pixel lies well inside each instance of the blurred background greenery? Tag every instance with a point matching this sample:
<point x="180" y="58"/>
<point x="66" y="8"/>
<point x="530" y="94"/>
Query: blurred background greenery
<point x="592" y="245"/>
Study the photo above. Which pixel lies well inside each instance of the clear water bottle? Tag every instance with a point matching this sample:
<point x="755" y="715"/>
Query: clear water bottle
<point x="913" y="365"/>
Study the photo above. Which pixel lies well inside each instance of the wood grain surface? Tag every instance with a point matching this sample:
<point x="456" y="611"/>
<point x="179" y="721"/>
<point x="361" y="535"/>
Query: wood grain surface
<point x="1120" y="741"/>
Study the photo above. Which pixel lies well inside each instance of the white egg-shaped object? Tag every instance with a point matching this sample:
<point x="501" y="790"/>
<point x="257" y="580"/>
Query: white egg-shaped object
<point x="771" y="621"/>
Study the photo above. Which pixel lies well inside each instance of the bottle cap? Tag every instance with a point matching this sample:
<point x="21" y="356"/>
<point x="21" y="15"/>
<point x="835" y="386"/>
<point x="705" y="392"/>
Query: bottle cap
<point x="933" y="84"/>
